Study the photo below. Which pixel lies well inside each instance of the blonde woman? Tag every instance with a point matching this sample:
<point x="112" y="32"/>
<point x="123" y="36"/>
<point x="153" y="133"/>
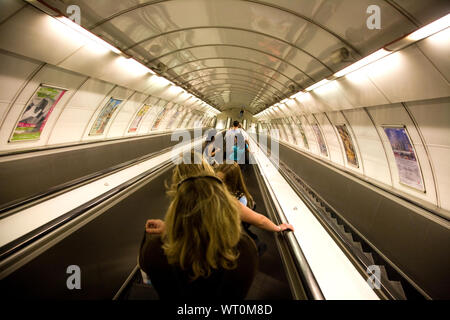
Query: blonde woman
<point x="247" y="215"/>
<point x="200" y="252"/>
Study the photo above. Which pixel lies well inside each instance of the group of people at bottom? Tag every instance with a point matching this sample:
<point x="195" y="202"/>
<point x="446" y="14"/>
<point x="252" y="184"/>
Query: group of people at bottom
<point x="237" y="144"/>
<point x="203" y="249"/>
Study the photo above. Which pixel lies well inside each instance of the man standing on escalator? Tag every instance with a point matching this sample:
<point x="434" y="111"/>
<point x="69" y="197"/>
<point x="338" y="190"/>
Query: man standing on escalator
<point x="235" y="143"/>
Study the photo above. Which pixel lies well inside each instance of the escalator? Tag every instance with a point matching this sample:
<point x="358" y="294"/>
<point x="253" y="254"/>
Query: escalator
<point x="105" y="249"/>
<point x="393" y="283"/>
<point x="102" y="238"/>
<point x="271" y="281"/>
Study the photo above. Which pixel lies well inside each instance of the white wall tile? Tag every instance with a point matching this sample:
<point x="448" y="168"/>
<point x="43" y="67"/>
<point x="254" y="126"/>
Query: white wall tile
<point x="408" y="75"/>
<point x="437" y="49"/>
<point x="371" y="149"/>
<point x="433" y="119"/>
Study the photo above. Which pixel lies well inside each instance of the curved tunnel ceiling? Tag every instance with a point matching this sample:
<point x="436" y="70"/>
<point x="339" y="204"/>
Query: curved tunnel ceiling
<point x="264" y="50"/>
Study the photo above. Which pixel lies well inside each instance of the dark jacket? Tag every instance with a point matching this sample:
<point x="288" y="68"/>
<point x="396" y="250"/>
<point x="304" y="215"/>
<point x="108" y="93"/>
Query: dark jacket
<point x="173" y="283"/>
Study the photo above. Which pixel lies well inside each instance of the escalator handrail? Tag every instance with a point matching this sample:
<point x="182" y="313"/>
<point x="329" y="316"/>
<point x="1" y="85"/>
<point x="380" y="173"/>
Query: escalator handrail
<point x="32" y="236"/>
<point x="311" y="285"/>
<point x="87" y="143"/>
<point x="7" y="209"/>
<point x="12" y="206"/>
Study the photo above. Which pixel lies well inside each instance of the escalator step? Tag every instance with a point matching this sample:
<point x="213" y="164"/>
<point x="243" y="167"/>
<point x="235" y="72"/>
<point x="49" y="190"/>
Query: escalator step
<point x="357" y="245"/>
<point x="369" y="258"/>
<point x="399" y="289"/>
<point x="328" y="213"/>
<point x="348" y="236"/>
<point x="341" y="227"/>
<point x="384" y="275"/>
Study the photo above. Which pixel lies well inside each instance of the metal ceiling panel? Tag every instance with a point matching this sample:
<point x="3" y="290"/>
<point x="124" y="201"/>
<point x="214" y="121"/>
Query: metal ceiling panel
<point x="277" y="45"/>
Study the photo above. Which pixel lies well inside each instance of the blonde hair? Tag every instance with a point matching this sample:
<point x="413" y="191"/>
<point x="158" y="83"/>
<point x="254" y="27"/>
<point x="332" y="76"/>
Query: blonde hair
<point x="203" y="225"/>
<point x="235" y="181"/>
<point x="185" y="170"/>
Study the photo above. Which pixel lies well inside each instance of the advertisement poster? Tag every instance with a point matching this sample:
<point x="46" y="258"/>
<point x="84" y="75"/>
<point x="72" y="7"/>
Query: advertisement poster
<point x="104" y="116"/>
<point x="153" y="115"/>
<point x="139" y="116"/>
<point x="181" y="115"/>
<point x="38" y="110"/>
<point x="274" y="130"/>
<point x="193" y="120"/>
<point x="197" y="123"/>
<point x="169" y="117"/>
<point x="348" y="145"/>
<point x="290" y="131"/>
<point x="320" y="140"/>
<point x="160" y="117"/>
<point x="281" y="130"/>
<point x="405" y="157"/>
<point x="188" y="119"/>
<point x="302" y="132"/>
<point x="291" y="124"/>
<point x="185" y="121"/>
<point x="176" y="118"/>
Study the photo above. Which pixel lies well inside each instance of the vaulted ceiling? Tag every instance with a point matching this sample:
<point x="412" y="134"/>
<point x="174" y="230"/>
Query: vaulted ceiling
<point x="249" y="53"/>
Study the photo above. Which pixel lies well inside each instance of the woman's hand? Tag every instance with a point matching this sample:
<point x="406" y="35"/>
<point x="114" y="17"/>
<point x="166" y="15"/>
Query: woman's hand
<point x="285" y="226"/>
<point x="155" y="226"/>
<point x="261" y="221"/>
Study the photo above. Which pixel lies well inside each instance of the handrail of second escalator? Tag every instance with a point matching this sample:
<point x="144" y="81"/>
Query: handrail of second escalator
<point x="310" y="283"/>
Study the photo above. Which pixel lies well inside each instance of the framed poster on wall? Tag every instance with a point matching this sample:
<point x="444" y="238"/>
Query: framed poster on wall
<point x="35" y="115"/>
<point x="152" y="115"/>
<point x="104" y="116"/>
<point x="405" y="157"/>
<point x="180" y="117"/>
<point x="302" y="133"/>
<point x="170" y="117"/>
<point x="160" y="117"/>
<point x="138" y="119"/>
<point x="289" y="123"/>
<point x="348" y="145"/>
<point x="320" y="140"/>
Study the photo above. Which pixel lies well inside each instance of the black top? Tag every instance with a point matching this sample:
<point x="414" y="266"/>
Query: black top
<point x="173" y="283"/>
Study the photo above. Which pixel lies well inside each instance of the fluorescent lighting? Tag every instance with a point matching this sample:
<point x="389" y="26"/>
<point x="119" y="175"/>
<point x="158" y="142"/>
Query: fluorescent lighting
<point x="88" y="35"/>
<point x="318" y="84"/>
<point x="430" y="29"/>
<point x="161" y="80"/>
<point x="363" y="62"/>
<point x="298" y="94"/>
<point x="134" y="66"/>
<point x="177" y="89"/>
